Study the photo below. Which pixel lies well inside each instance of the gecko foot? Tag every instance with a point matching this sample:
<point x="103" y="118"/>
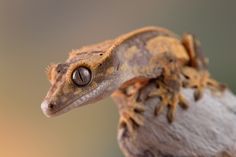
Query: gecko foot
<point x="170" y="99"/>
<point x="199" y="80"/>
<point x="131" y="116"/>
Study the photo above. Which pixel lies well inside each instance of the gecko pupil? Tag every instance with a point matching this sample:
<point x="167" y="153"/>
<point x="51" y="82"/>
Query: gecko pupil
<point x="81" y="76"/>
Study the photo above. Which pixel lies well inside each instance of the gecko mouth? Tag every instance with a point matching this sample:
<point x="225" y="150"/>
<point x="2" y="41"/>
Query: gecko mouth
<point x="52" y="109"/>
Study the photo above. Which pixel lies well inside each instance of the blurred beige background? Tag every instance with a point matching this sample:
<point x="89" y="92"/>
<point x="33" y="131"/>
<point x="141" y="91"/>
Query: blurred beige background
<point x="34" y="33"/>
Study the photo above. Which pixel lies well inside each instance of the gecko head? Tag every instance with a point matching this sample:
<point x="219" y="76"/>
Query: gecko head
<point x="86" y="77"/>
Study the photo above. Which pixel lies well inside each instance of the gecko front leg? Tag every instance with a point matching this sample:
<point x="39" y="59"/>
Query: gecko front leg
<point x="168" y="87"/>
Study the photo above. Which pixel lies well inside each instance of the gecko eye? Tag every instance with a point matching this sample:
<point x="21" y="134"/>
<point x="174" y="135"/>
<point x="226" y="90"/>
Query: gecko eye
<point x="81" y="76"/>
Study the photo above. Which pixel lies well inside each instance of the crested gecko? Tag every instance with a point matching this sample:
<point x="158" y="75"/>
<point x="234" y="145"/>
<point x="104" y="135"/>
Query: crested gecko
<point x="123" y="67"/>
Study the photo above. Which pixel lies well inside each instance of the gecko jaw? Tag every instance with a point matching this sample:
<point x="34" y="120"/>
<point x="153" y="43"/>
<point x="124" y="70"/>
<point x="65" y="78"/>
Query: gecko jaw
<point x="77" y="102"/>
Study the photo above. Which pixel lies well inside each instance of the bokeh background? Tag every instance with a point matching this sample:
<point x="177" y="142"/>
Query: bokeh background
<point x="34" y="33"/>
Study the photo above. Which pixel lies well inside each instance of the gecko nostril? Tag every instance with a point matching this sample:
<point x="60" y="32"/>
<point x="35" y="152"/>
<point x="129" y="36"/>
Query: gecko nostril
<point x="48" y="108"/>
<point x="51" y="106"/>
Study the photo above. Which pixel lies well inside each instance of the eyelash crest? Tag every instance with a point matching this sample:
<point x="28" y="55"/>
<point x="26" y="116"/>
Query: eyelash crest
<point x="49" y="70"/>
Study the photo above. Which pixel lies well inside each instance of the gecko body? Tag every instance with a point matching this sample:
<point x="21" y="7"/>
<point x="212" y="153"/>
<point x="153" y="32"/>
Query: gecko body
<point x="123" y="67"/>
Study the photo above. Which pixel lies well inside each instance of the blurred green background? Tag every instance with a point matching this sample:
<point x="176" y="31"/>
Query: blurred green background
<point x="34" y="33"/>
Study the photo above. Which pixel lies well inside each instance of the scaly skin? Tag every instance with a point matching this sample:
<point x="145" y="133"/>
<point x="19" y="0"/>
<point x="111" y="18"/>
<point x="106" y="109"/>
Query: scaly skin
<point x="122" y="67"/>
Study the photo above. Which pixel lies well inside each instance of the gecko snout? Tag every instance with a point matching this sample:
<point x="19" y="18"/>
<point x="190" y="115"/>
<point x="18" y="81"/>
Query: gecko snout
<point x="48" y="108"/>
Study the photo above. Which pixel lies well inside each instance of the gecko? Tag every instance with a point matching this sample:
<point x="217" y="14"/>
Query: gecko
<point x="123" y="67"/>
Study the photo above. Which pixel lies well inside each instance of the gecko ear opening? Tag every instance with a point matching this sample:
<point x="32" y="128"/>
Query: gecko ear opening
<point x="81" y="76"/>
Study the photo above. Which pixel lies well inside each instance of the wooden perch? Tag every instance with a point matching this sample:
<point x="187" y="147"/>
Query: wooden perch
<point x="206" y="129"/>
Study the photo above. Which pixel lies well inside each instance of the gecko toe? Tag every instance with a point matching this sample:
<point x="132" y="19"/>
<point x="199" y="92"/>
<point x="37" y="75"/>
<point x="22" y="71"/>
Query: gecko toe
<point x="158" y="109"/>
<point x="197" y="94"/>
<point x="171" y="113"/>
<point x="183" y="103"/>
